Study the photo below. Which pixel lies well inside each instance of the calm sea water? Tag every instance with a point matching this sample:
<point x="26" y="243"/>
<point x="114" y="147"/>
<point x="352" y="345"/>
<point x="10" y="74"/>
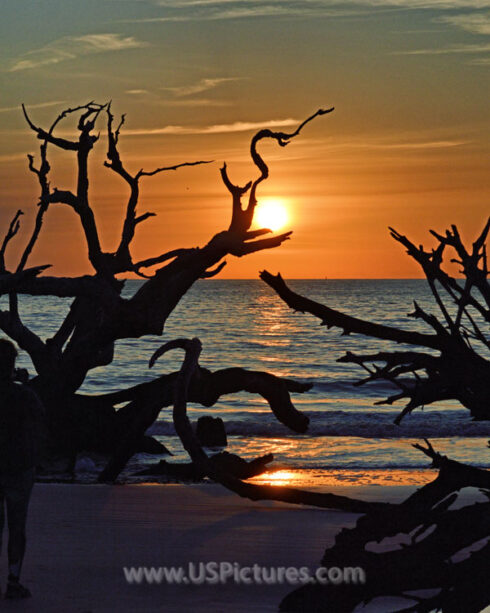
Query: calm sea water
<point x="243" y="323"/>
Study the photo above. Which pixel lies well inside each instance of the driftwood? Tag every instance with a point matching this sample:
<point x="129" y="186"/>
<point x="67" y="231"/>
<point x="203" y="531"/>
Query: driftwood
<point x="10" y="282"/>
<point x="220" y="473"/>
<point x="129" y="424"/>
<point x="433" y="535"/>
<point x="449" y="363"/>
<point x="99" y="316"/>
<point x="224" y="461"/>
<point x="211" y="431"/>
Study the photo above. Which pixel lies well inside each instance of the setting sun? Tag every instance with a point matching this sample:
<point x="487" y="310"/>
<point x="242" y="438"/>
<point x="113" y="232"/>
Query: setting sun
<point x="272" y="213"/>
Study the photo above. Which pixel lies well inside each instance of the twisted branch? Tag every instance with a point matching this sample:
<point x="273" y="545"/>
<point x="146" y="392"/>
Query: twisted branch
<point x="241" y="219"/>
<point x="199" y="457"/>
<point x="12" y="230"/>
<point x="459" y="371"/>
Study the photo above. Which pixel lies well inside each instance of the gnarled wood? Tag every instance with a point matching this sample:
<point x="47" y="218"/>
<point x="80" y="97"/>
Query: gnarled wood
<point x="435" y="533"/>
<point x="99" y="316"/>
<point x="461" y="369"/>
<point x="206" y="388"/>
<point x="183" y="427"/>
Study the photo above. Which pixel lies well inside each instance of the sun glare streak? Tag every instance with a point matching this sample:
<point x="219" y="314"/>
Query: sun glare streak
<point x="278" y="477"/>
<point x="272" y="213"/>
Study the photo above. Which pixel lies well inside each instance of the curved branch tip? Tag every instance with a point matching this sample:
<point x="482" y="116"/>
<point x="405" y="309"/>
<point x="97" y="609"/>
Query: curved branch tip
<point x="179" y="343"/>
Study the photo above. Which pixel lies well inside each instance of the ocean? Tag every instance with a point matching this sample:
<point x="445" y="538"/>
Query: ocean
<point x="243" y="323"/>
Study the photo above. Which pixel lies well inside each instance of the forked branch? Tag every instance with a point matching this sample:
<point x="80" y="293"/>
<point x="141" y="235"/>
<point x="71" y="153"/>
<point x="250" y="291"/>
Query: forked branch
<point x="441" y="563"/>
<point x="332" y="318"/>
<point x="460" y="371"/>
<point x="199" y="457"/>
<point x="12" y="230"/>
<point x="123" y="261"/>
<point x="242" y="218"/>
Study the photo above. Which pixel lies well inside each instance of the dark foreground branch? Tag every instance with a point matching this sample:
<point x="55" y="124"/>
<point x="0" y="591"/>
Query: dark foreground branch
<point x="458" y="372"/>
<point x="198" y="456"/>
<point x="206" y="387"/>
<point x="332" y="318"/>
<point x="14" y="281"/>
<point x="234" y="464"/>
<point x="441" y="548"/>
<point x="12" y="230"/>
<point x="242" y="217"/>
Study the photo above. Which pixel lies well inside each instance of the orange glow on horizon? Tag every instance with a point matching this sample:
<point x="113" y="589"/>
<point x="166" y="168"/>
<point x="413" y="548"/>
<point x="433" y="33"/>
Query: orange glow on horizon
<point x="389" y="155"/>
<point x="339" y="216"/>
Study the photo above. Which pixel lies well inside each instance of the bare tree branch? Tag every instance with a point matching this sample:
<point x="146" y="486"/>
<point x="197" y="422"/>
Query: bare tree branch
<point x="146" y="173"/>
<point x="459" y="372"/>
<point x="435" y="535"/>
<point x="282" y="139"/>
<point x="241" y="219"/>
<point x="47" y="136"/>
<point x="27" y="340"/>
<point x="198" y="456"/>
<point x="208" y="274"/>
<point x="332" y="318"/>
<point x="79" y="202"/>
<point x="99" y="315"/>
<point x="12" y="281"/>
<point x="12" y="230"/>
<point x="123" y="261"/>
<point x="431" y="265"/>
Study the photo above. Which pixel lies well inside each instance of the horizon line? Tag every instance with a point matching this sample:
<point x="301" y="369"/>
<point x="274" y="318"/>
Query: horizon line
<point x="306" y="279"/>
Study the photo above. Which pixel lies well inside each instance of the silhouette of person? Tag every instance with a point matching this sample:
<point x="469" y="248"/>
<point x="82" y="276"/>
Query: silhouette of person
<point x="21" y="427"/>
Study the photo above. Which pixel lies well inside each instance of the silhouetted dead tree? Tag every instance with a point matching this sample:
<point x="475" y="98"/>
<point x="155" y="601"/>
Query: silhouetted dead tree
<point x="220" y="471"/>
<point x="444" y="549"/>
<point x="99" y="316"/>
<point x="456" y="365"/>
<point x="439" y="547"/>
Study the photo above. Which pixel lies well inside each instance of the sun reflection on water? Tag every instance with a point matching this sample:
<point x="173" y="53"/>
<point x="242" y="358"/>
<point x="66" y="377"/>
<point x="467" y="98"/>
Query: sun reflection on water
<point x="323" y="480"/>
<point x="279" y="477"/>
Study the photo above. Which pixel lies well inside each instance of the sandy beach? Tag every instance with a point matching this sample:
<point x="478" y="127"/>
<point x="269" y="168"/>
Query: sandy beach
<point x="81" y="536"/>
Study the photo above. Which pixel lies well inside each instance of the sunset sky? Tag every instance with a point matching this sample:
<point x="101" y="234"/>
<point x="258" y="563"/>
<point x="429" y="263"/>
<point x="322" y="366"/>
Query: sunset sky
<point x="407" y="145"/>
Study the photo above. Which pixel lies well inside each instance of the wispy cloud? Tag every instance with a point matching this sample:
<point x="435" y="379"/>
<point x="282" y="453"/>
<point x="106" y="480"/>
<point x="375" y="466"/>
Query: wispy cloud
<point x="477" y="23"/>
<point x="336" y="3"/>
<point x="196" y="88"/>
<point x="237" y="126"/>
<point x="434" y="144"/>
<point x="70" y="47"/>
<point x="211" y="10"/>
<point x="190" y="102"/>
<point x="392" y="143"/>
<point x="203" y="10"/>
<point x="218" y="11"/>
<point x="8" y="109"/>
<point x="13" y="157"/>
<point x="484" y="48"/>
<point x="181" y="96"/>
<point x="481" y="61"/>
